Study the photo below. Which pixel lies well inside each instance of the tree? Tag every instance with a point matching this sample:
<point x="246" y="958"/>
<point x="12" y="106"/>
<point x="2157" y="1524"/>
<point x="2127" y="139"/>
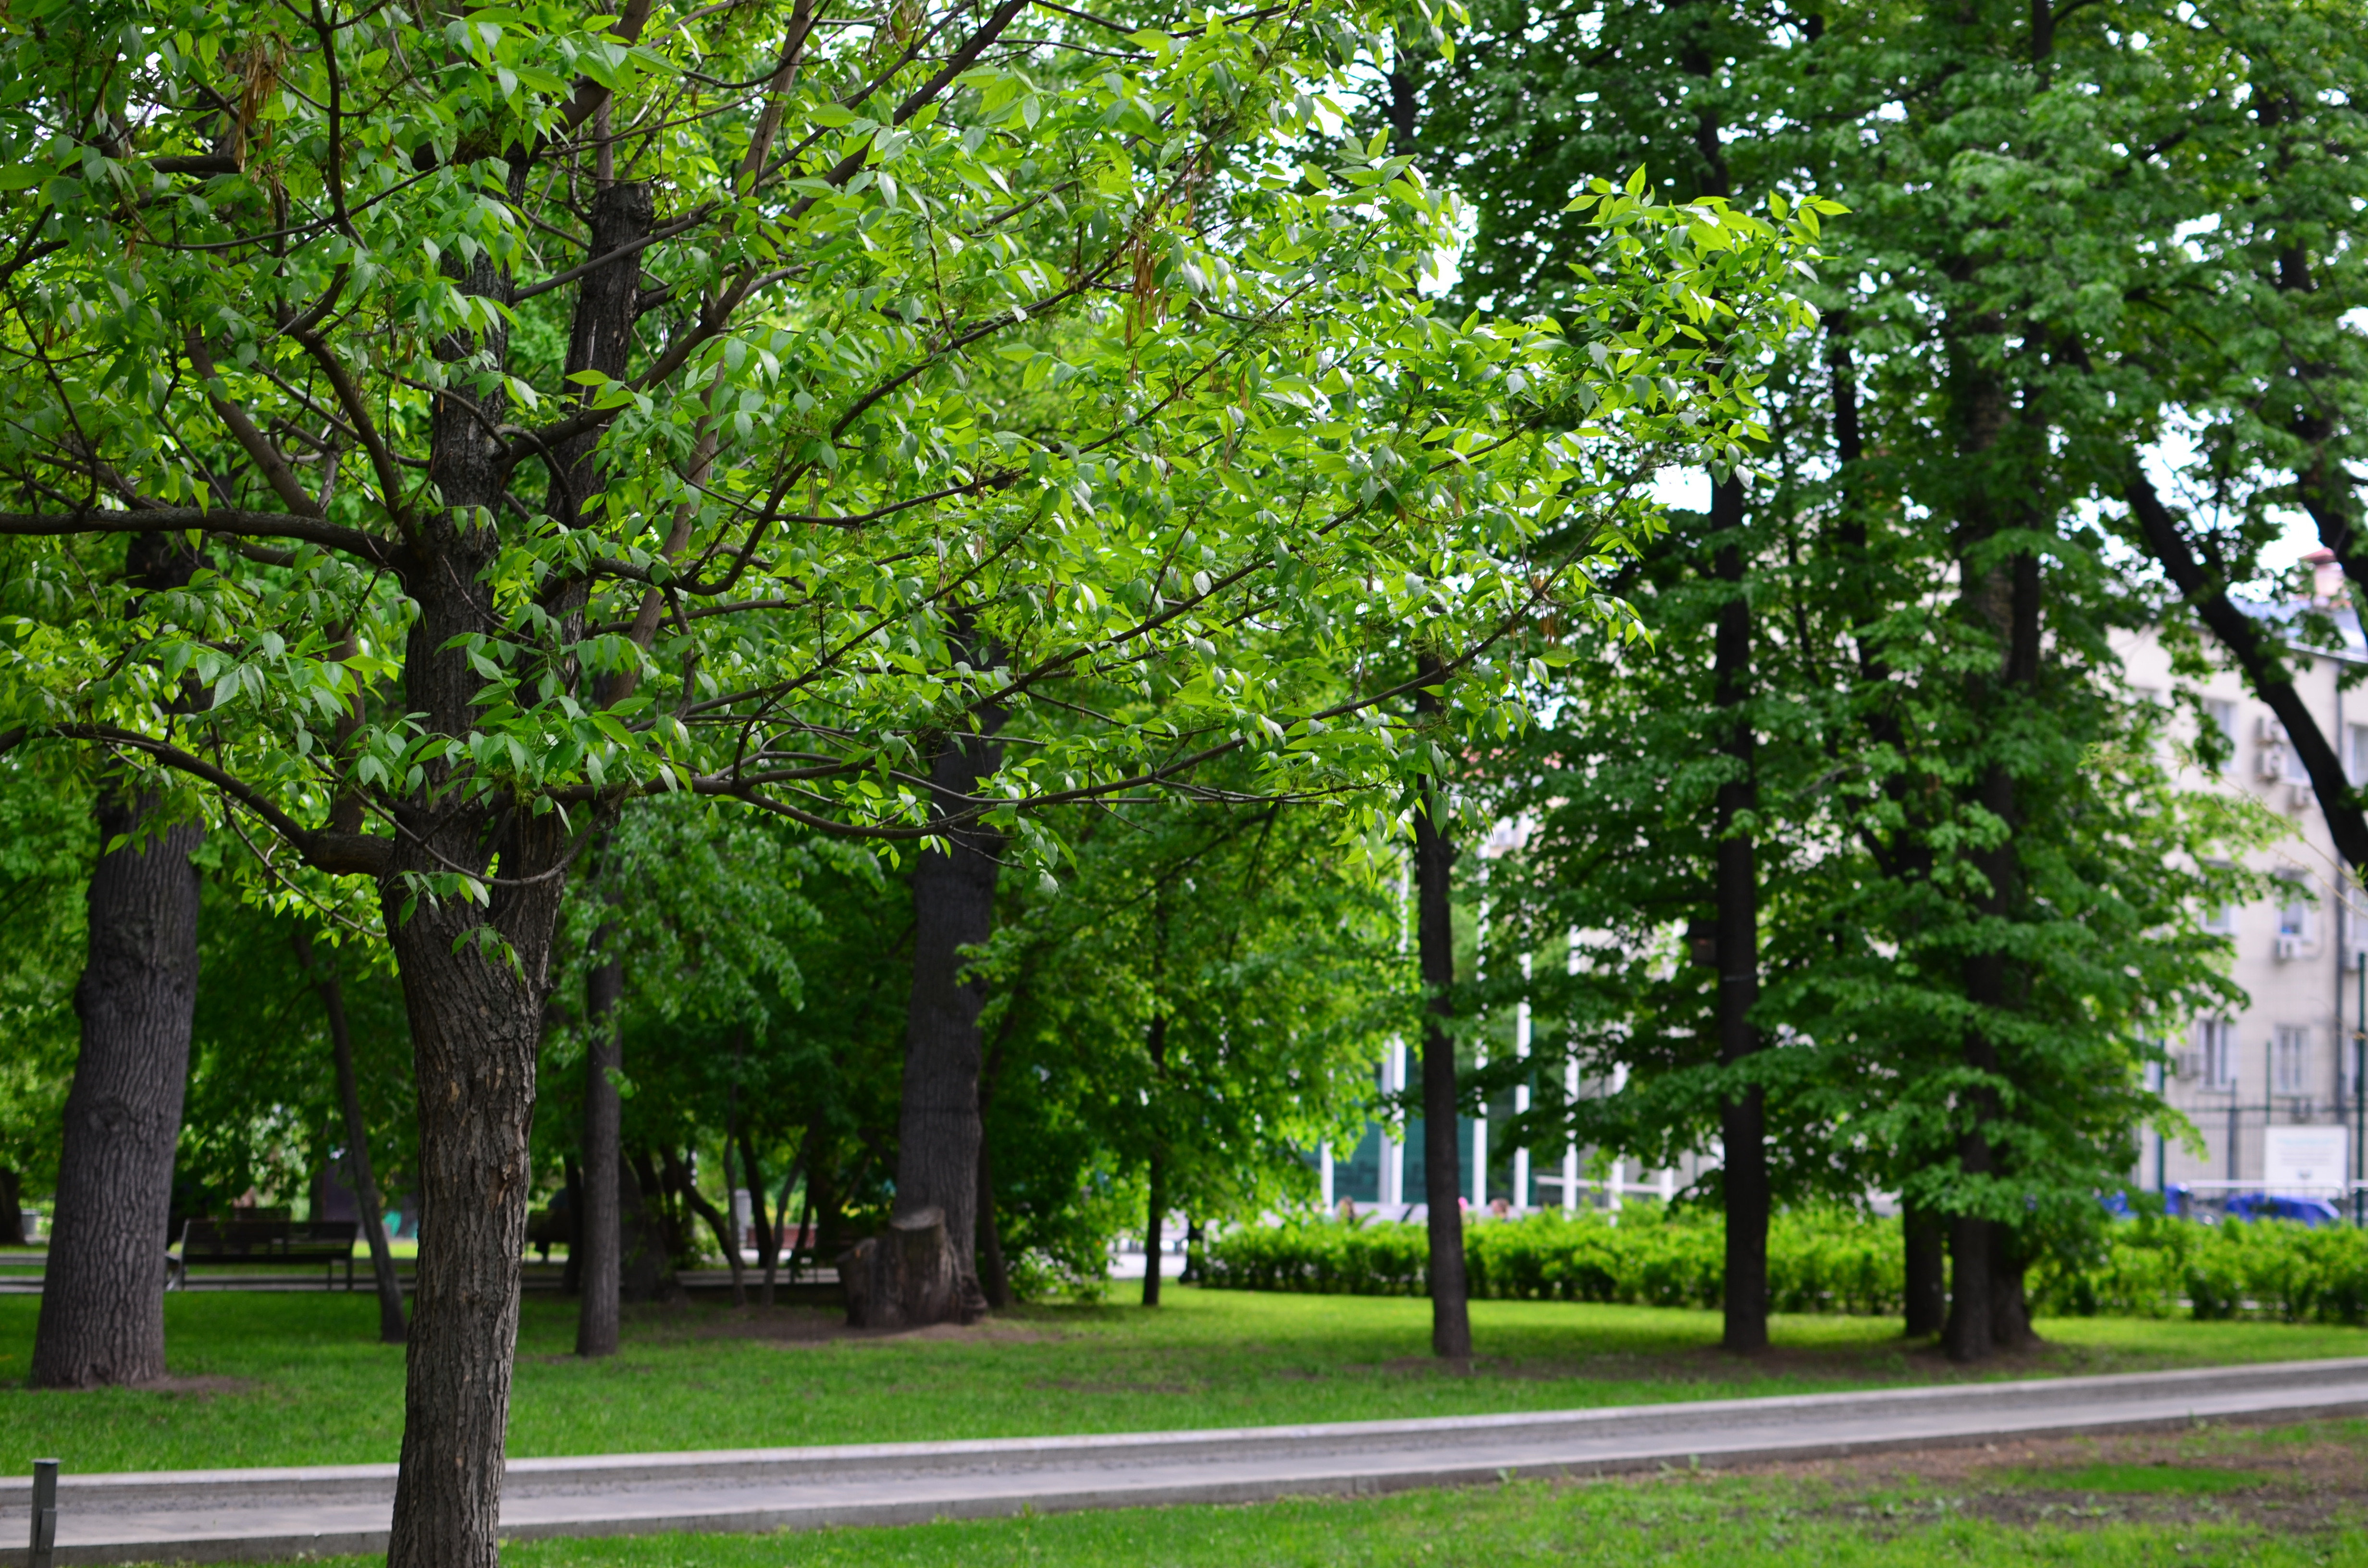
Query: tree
<point x="495" y="538"/>
<point x="1197" y="1001"/>
<point x="1935" y="794"/>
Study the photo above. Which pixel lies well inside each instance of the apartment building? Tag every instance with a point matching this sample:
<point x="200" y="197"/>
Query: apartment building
<point x="2271" y="1087"/>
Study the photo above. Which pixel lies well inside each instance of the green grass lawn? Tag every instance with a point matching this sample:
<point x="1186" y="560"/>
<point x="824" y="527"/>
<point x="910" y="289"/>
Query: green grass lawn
<point x="298" y="1378"/>
<point x="2281" y="1498"/>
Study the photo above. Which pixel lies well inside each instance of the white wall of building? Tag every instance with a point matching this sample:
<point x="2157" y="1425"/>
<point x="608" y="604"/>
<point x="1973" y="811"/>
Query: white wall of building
<point x="2285" y="1058"/>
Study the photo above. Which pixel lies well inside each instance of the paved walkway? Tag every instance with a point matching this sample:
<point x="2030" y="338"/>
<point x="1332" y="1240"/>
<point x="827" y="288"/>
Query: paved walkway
<point x="215" y="1516"/>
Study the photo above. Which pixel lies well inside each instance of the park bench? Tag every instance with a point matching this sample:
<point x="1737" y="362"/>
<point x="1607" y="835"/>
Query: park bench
<point x="267" y="1243"/>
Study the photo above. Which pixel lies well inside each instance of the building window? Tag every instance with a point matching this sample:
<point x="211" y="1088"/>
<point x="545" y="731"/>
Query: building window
<point x="2290" y="1060"/>
<point x="2355" y="753"/>
<point x="2219" y="918"/>
<point x="2297" y="922"/>
<point x="2215" y="1040"/>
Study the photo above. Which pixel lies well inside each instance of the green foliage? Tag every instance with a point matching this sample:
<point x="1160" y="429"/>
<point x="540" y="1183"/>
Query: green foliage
<point x="1097" y="352"/>
<point x="1923" y="807"/>
<point x="2273" y="1269"/>
<point x="1819" y="1261"/>
<point x="1208" y="987"/>
<point x="263" y="1110"/>
<point x="46" y="845"/>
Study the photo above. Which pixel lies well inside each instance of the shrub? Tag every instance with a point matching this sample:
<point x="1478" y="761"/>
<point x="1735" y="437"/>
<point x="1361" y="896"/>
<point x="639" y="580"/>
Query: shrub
<point x="2271" y="1269"/>
<point x="1819" y="1261"/>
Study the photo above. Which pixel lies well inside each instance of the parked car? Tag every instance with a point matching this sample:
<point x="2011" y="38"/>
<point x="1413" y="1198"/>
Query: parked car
<point x="2312" y="1211"/>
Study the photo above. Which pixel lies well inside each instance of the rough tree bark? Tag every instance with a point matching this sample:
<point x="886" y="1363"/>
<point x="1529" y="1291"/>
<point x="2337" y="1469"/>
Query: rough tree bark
<point x="1743" y="1120"/>
<point x="1434" y="860"/>
<point x="102" y="1318"/>
<point x="12" y="1208"/>
<point x="391" y="1328"/>
<point x="473" y="981"/>
<point x="1925" y="1242"/>
<point x="953" y="908"/>
<point x="2005" y="600"/>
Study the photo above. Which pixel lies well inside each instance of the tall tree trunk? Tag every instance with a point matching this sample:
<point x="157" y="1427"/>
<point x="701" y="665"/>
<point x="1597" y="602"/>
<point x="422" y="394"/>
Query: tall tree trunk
<point x="1156" y="1046"/>
<point x="1434" y="860"/>
<point x="1925" y="1242"/>
<point x="761" y="1214"/>
<point x="474" y="978"/>
<point x="1966" y="1335"/>
<point x="476" y="1022"/>
<point x="730" y="1236"/>
<point x="1743" y="1119"/>
<point x="805" y="1223"/>
<point x="391" y="1328"/>
<point x="1979" y="412"/>
<point x="599" y="1222"/>
<point x="953" y="908"/>
<point x="2009" y="1309"/>
<point x="12" y="1208"/>
<point x="102" y="1318"/>
<point x="1154" y="1229"/>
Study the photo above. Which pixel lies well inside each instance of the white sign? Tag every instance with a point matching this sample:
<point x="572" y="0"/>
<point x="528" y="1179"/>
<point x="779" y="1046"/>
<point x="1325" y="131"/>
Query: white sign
<point x="2300" y="1159"/>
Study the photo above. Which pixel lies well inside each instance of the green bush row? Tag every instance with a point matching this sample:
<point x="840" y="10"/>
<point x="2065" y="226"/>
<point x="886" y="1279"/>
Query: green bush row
<point x="2152" y="1266"/>
<point x="1819" y="1261"/>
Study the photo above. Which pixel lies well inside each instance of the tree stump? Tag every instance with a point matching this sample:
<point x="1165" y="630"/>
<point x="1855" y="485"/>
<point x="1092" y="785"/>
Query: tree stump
<point x="906" y="1278"/>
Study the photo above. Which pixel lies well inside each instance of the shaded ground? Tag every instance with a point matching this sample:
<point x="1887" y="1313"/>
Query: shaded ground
<point x="2297" y="1480"/>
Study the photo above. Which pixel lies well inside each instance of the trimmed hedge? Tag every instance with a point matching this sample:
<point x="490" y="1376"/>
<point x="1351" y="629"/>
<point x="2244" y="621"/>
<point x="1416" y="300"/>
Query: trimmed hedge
<point x="2153" y="1267"/>
<point x="1819" y="1261"/>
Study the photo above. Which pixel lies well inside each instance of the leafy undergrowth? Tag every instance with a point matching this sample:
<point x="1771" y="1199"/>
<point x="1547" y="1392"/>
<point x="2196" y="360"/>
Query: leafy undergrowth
<point x="2280" y="1497"/>
<point x="299" y="1379"/>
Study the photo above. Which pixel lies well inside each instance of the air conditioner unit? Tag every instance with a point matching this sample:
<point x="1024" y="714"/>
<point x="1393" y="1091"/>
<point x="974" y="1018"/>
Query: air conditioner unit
<point x="2187" y="1064"/>
<point x="2269" y="762"/>
<point x="2270" y="731"/>
<point x="2290" y="948"/>
<point x="2300" y="798"/>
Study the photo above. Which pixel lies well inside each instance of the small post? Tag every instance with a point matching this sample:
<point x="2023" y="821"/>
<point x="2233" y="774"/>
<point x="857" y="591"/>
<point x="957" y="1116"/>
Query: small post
<point x="45" y="1513"/>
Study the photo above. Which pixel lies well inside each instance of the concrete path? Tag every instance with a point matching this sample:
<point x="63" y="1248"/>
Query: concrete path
<point x="215" y="1515"/>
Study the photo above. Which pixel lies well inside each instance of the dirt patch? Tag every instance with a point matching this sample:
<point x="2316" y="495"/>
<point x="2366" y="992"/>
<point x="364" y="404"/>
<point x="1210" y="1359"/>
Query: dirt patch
<point x="2289" y="1481"/>
<point x="798" y="1325"/>
<point x="200" y="1388"/>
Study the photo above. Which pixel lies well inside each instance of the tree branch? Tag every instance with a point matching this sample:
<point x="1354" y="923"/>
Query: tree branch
<point x="378" y="551"/>
<point x="2258" y="657"/>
